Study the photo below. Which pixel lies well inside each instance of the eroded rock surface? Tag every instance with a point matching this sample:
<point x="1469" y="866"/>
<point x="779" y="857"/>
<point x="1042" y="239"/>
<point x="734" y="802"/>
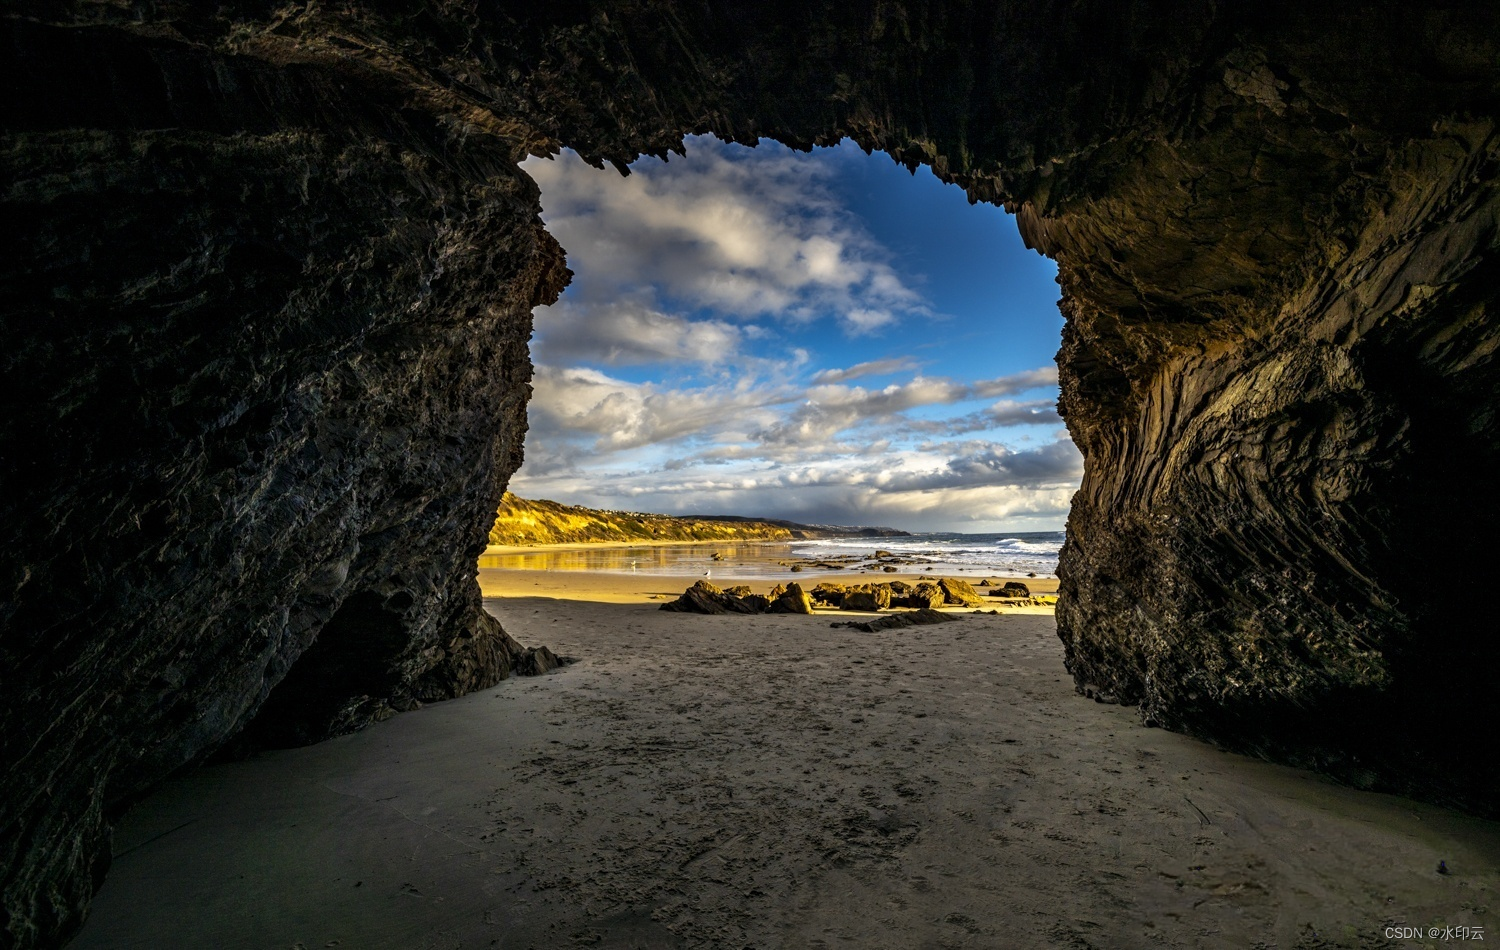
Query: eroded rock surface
<point x="267" y="287"/>
<point x="706" y="598"/>
<point x="793" y="600"/>
<point x="959" y="593"/>
<point x="911" y="618"/>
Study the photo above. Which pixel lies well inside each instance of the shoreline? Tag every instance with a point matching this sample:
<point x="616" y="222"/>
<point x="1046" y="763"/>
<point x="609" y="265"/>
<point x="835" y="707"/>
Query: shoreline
<point x="743" y="562"/>
<point x="611" y="587"/>
<point x="494" y="550"/>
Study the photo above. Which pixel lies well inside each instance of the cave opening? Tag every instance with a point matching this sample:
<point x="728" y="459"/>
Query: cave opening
<point x="821" y="337"/>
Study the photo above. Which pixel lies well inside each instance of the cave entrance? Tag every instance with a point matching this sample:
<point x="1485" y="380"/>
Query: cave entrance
<point x="820" y="337"/>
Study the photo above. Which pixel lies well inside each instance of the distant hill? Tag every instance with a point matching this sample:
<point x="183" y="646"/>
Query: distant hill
<point x="522" y="522"/>
<point x="812" y="530"/>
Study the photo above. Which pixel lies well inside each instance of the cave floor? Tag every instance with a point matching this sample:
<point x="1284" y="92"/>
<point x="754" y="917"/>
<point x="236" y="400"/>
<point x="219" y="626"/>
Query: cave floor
<point x="772" y="782"/>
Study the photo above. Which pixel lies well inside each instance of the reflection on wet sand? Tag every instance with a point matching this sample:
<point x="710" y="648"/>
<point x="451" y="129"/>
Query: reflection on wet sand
<point x="737" y="559"/>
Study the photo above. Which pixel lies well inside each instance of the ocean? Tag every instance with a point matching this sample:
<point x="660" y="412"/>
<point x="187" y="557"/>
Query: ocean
<point x="1013" y="554"/>
<point x="1010" y="554"/>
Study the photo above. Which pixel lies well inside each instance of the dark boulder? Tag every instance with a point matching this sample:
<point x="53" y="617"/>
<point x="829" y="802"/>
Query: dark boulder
<point x="923" y="595"/>
<point x="758" y="603"/>
<point x="536" y="661"/>
<point x="911" y="618"/>
<point x="959" y="593"/>
<point x="830" y="594"/>
<point x="793" y="600"/>
<point x="867" y="597"/>
<point x="705" y="598"/>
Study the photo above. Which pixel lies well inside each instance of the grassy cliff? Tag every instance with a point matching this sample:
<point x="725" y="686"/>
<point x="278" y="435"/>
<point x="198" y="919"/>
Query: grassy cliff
<point x="546" y="522"/>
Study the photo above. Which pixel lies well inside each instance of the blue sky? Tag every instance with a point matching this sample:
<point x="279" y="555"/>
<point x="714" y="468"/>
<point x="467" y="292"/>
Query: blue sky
<point x="822" y="337"/>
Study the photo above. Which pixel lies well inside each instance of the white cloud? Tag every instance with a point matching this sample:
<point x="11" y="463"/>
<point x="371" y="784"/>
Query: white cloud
<point x="991" y="486"/>
<point x="570" y="403"/>
<point x="1006" y="412"/>
<point x="863" y="319"/>
<point x="626" y="332"/>
<point x="832" y="408"/>
<point x="719" y="272"/>
<point x="755" y="237"/>
<point x="767" y="445"/>
<point x="872" y="368"/>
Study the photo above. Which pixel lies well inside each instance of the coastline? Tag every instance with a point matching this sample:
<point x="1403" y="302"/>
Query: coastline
<point x="613" y="588"/>
<point x="493" y="550"/>
<point x="754" y="562"/>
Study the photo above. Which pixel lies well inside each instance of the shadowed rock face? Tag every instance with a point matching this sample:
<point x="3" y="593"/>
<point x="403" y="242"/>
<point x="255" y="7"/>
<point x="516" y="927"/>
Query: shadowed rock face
<point x="267" y="290"/>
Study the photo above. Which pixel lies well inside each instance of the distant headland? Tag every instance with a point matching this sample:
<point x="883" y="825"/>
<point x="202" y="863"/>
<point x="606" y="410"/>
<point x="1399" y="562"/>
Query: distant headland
<point x="522" y="521"/>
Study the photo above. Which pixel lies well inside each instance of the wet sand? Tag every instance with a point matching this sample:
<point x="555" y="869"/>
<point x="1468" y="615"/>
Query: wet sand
<point x="617" y="588"/>
<point x="748" y="560"/>
<point x="770" y="781"/>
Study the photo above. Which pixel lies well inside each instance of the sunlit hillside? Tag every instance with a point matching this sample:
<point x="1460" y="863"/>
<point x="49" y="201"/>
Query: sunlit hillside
<point x="546" y="522"/>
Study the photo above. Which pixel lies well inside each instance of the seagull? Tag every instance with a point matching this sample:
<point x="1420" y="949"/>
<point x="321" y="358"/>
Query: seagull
<point x="708" y="573"/>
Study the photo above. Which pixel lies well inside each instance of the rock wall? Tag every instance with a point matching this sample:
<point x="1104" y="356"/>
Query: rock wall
<point x="1283" y="537"/>
<point x="264" y="383"/>
<point x="266" y="296"/>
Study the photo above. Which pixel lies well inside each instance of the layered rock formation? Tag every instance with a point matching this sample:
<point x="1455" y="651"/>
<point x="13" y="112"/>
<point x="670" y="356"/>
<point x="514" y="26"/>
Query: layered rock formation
<point x="705" y="598"/>
<point x="267" y="287"/>
<point x="266" y="373"/>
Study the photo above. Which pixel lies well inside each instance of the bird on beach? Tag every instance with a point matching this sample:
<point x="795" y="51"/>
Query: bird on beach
<point x="708" y="573"/>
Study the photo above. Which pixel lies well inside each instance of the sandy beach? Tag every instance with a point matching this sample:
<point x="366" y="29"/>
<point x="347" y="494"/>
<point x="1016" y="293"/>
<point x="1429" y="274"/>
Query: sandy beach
<point x="597" y="587"/>
<point x="619" y="572"/>
<point x="771" y="781"/>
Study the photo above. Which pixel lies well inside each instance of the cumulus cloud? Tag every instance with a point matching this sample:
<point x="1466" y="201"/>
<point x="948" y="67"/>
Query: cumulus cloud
<point x="626" y="332"/>
<point x="674" y="375"/>
<point x="760" y="236"/>
<point x="616" y="415"/>
<point x="984" y="483"/>
<point x="991" y="464"/>
<point x="754" y="416"/>
<point x="774" y="447"/>
<point x="831" y="408"/>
